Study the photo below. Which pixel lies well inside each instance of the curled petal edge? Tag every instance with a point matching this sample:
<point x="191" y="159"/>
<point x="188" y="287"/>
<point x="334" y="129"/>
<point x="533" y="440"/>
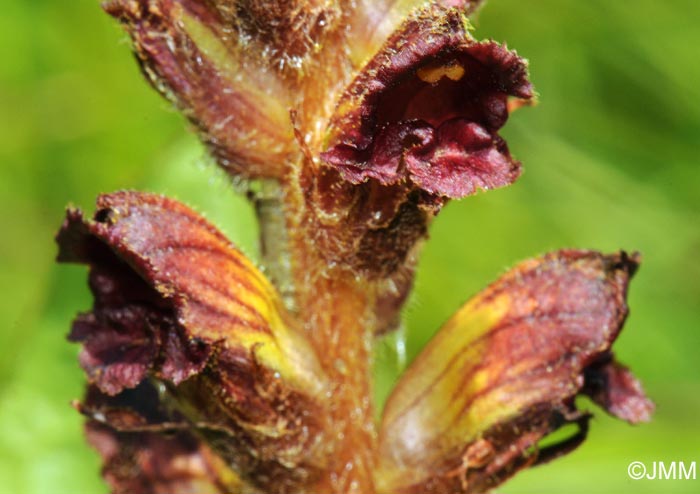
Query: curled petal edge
<point x="176" y="302"/>
<point x="427" y="109"/>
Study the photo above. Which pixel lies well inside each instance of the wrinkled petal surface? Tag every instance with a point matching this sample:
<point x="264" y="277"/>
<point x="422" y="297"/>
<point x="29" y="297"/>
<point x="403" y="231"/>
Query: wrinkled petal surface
<point x="426" y="109"/>
<point x="155" y="263"/>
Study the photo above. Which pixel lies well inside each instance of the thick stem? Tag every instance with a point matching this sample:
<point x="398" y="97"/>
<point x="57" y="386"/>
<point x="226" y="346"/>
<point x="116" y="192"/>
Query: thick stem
<point x="340" y="322"/>
<point x="337" y="310"/>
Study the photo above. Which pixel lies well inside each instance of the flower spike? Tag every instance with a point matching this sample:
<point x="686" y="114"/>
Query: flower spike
<point x="351" y="124"/>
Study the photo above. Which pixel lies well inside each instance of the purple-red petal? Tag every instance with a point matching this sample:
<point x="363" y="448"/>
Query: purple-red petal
<point x="613" y="386"/>
<point x="427" y="110"/>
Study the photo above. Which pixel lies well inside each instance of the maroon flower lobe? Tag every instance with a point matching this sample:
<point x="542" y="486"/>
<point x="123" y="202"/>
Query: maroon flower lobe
<point x="427" y="109"/>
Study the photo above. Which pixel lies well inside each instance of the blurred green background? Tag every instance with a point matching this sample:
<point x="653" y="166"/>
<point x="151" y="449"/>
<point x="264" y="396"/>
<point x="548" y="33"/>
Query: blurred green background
<point x="610" y="157"/>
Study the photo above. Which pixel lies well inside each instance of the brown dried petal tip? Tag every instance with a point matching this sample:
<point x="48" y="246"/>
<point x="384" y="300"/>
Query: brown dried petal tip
<point x="503" y="373"/>
<point x="175" y="301"/>
<point x="427" y="108"/>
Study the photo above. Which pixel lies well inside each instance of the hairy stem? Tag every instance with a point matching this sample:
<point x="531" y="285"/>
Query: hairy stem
<point x="338" y="311"/>
<point x="340" y="322"/>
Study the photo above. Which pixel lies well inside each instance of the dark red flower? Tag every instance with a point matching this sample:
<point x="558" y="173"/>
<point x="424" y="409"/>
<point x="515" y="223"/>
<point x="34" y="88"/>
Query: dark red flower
<point x="350" y="125"/>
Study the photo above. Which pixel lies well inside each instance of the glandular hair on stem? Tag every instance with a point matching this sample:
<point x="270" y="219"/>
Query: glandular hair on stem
<point x="266" y="195"/>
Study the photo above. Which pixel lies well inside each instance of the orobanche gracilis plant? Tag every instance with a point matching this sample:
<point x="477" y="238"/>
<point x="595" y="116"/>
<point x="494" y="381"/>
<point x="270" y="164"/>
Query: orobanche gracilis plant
<point x="355" y="122"/>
